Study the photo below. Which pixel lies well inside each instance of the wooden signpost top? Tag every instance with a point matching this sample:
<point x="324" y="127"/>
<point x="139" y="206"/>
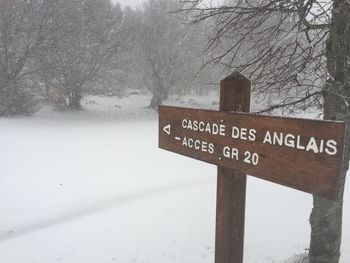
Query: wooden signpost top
<point x="299" y="153"/>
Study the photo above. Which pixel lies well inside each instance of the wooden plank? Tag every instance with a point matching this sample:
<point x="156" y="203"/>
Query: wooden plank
<point x="230" y="216"/>
<point x="231" y="184"/>
<point x="298" y="153"/>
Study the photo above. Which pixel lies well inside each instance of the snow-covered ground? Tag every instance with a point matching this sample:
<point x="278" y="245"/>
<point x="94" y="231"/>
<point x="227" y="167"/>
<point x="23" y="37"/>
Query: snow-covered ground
<point x="92" y="187"/>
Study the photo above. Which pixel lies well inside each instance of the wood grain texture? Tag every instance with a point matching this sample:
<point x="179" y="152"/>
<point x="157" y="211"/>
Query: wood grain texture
<point x="315" y="173"/>
<point x="231" y="184"/>
<point x="304" y="154"/>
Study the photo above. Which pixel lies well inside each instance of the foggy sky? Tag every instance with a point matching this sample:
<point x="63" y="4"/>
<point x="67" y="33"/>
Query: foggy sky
<point x="136" y="3"/>
<point x="131" y="3"/>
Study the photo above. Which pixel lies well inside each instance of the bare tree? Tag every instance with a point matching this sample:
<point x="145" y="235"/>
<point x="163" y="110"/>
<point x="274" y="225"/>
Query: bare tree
<point x="24" y="28"/>
<point x="77" y="61"/>
<point x="168" y="52"/>
<point x="299" y="50"/>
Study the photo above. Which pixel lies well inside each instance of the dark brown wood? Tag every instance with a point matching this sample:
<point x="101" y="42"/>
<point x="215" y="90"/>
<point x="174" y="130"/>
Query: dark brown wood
<point x="315" y="173"/>
<point x="231" y="184"/>
<point x="302" y="154"/>
<point x="230" y="215"/>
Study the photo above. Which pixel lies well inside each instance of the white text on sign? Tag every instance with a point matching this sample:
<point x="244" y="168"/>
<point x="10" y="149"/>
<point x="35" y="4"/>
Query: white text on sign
<point x="278" y="139"/>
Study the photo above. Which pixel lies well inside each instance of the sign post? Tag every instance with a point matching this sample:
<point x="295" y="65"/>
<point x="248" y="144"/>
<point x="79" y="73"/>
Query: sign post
<point x="231" y="184"/>
<point x="298" y="153"/>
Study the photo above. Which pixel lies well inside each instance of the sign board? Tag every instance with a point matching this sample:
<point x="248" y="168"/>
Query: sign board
<point x="298" y="153"/>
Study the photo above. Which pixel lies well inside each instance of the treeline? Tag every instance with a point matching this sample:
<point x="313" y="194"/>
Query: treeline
<point x="59" y="51"/>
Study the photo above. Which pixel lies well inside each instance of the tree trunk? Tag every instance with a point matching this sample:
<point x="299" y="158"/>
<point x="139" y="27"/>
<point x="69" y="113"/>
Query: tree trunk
<point x="326" y="216"/>
<point x="155" y="101"/>
<point x="74" y="100"/>
<point x="159" y="95"/>
<point x="47" y="86"/>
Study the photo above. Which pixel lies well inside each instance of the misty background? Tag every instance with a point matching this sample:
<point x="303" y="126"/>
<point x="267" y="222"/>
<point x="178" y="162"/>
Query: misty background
<point x="81" y="175"/>
<point x="131" y="3"/>
<point x="57" y="53"/>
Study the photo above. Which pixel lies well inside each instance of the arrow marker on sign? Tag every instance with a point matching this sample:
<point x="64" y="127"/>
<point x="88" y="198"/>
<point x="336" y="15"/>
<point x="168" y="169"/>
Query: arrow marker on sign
<point x="166" y="129"/>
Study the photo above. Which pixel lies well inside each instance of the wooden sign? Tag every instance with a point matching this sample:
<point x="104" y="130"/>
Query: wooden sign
<point x="299" y="153"/>
<point x="302" y="154"/>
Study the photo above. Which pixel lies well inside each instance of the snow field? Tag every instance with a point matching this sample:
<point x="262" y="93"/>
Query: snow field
<point x="93" y="187"/>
